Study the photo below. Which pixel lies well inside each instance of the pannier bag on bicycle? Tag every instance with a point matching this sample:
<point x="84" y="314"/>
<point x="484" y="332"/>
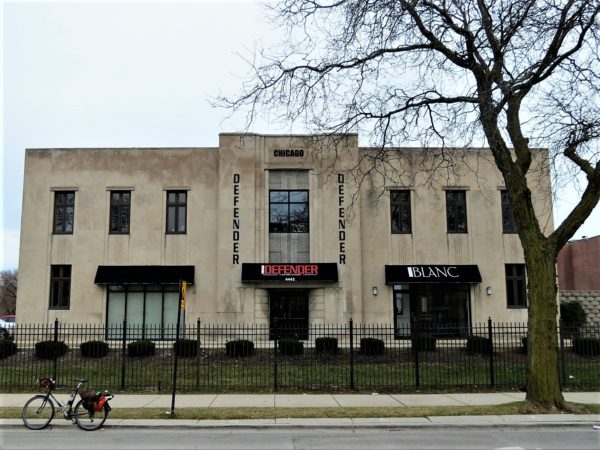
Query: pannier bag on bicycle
<point x="99" y="403"/>
<point x="88" y="399"/>
<point x="93" y="401"/>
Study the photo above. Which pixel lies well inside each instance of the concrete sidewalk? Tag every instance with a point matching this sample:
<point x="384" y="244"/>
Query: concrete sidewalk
<point x="329" y="401"/>
<point x="310" y="400"/>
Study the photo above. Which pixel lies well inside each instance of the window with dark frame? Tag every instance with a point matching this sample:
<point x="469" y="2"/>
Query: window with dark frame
<point x="176" y="212"/>
<point x="150" y="311"/>
<point x="400" y="211"/>
<point x="401" y="296"/>
<point x="509" y="224"/>
<point x="456" y="211"/>
<point x="288" y="211"/>
<point x="120" y="207"/>
<point x="60" y="286"/>
<point x="64" y="212"/>
<point x="516" y="286"/>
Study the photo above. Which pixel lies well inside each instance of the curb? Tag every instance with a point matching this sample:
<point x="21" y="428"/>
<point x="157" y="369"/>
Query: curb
<point x="438" y="422"/>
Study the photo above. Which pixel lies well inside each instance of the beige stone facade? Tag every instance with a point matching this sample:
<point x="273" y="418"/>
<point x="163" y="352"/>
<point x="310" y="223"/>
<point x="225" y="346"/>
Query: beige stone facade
<point x="236" y="198"/>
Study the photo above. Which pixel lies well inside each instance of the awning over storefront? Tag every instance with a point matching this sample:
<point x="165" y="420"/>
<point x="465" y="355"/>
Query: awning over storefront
<point x="257" y="272"/>
<point x="436" y="273"/>
<point x="144" y="274"/>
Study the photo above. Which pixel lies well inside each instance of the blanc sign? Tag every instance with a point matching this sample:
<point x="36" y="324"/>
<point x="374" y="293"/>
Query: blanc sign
<point x="432" y="274"/>
<point x="253" y="272"/>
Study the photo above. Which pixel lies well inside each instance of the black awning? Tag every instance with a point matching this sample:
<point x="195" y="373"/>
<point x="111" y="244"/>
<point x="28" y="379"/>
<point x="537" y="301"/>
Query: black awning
<point x="144" y="274"/>
<point x="435" y="273"/>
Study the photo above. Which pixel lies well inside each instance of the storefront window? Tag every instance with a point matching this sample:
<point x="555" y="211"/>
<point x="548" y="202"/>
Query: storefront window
<point x="442" y="308"/>
<point x="150" y="311"/>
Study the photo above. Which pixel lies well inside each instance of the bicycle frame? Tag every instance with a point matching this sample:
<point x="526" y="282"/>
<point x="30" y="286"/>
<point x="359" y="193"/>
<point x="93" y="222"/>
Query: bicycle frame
<point x="67" y="409"/>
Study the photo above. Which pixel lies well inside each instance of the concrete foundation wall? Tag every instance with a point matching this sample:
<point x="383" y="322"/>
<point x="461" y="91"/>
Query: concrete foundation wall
<point x="590" y="300"/>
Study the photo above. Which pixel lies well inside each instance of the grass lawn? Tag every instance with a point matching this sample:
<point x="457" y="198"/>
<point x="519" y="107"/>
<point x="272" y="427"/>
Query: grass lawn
<point x="212" y="371"/>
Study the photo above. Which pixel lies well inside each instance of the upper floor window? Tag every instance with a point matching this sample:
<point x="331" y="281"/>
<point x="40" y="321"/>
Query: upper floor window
<point x="60" y="287"/>
<point x="456" y="211"/>
<point x="64" y="212"/>
<point x="400" y="212"/>
<point x="288" y="211"/>
<point x="176" y="212"/>
<point x="509" y="224"/>
<point x="120" y="206"/>
<point x="516" y="288"/>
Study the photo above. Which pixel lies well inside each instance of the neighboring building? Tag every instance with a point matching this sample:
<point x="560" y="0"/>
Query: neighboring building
<point x="579" y="265"/>
<point x="268" y="233"/>
<point x="579" y="276"/>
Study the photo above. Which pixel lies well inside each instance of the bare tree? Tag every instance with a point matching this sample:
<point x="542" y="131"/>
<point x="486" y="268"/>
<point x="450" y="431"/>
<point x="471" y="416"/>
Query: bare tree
<point x="8" y="291"/>
<point x="510" y="74"/>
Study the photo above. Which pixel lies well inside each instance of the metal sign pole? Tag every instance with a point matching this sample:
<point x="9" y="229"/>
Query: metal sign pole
<point x="182" y="291"/>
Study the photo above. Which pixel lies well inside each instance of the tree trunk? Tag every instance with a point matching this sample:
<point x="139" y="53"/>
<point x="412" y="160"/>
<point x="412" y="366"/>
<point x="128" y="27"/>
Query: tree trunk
<point x="543" y="383"/>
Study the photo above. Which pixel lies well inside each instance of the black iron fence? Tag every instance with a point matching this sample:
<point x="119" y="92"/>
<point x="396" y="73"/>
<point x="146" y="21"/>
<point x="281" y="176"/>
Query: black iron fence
<point x="254" y="358"/>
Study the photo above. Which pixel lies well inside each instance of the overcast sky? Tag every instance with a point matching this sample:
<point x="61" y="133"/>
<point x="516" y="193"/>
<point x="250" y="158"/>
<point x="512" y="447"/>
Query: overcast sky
<point x="114" y="74"/>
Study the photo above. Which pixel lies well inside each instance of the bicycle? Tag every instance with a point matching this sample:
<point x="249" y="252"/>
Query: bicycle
<point x="89" y="413"/>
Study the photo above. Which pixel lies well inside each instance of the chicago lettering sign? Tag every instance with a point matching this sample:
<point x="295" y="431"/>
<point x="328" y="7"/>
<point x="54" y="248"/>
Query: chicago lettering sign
<point x="288" y="153"/>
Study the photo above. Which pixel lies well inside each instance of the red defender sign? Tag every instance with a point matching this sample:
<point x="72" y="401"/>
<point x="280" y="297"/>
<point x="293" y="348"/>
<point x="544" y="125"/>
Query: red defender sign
<point x="325" y="272"/>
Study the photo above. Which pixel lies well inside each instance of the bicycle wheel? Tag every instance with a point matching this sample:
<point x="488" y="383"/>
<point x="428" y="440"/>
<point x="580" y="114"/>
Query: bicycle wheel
<point x="89" y="421"/>
<point x="38" y="412"/>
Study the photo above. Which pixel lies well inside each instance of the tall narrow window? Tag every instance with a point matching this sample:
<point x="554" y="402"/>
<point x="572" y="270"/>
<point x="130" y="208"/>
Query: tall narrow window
<point x="64" y="212"/>
<point x="176" y="212"/>
<point x="60" y="287"/>
<point x="456" y="211"/>
<point x="288" y="211"/>
<point x="120" y="206"/>
<point x="509" y="224"/>
<point x="516" y="288"/>
<point x="400" y="212"/>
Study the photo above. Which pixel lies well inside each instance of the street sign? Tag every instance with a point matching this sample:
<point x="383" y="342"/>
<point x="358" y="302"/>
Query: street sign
<point x="183" y="291"/>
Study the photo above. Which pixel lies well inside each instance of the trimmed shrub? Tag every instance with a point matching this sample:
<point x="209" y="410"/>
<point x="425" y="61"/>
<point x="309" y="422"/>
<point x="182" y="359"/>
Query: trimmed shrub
<point x="141" y="349"/>
<point x="94" y="349"/>
<point x="586" y="346"/>
<point x="239" y="347"/>
<point x="326" y="346"/>
<point x="572" y="314"/>
<point x="524" y="344"/>
<point x="371" y="346"/>
<point x="479" y="344"/>
<point x="424" y="343"/>
<point x="291" y="347"/>
<point x="186" y="348"/>
<point x="50" y="349"/>
<point x="7" y="348"/>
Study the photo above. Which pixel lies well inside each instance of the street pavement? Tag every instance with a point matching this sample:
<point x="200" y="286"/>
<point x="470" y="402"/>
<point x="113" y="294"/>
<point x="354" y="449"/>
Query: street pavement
<point x="329" y="401"/>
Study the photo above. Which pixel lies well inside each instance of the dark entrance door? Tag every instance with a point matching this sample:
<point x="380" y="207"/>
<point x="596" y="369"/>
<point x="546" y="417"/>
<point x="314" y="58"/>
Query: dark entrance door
<point x="288" y="313"/>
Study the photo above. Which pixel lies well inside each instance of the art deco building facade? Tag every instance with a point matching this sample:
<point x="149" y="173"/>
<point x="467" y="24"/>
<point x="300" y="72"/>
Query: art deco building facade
<point x="270" y="230"/>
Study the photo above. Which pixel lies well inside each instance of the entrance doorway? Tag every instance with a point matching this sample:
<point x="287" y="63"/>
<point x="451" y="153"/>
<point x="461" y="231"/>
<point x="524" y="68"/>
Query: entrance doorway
<point x="288" y="313"/>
